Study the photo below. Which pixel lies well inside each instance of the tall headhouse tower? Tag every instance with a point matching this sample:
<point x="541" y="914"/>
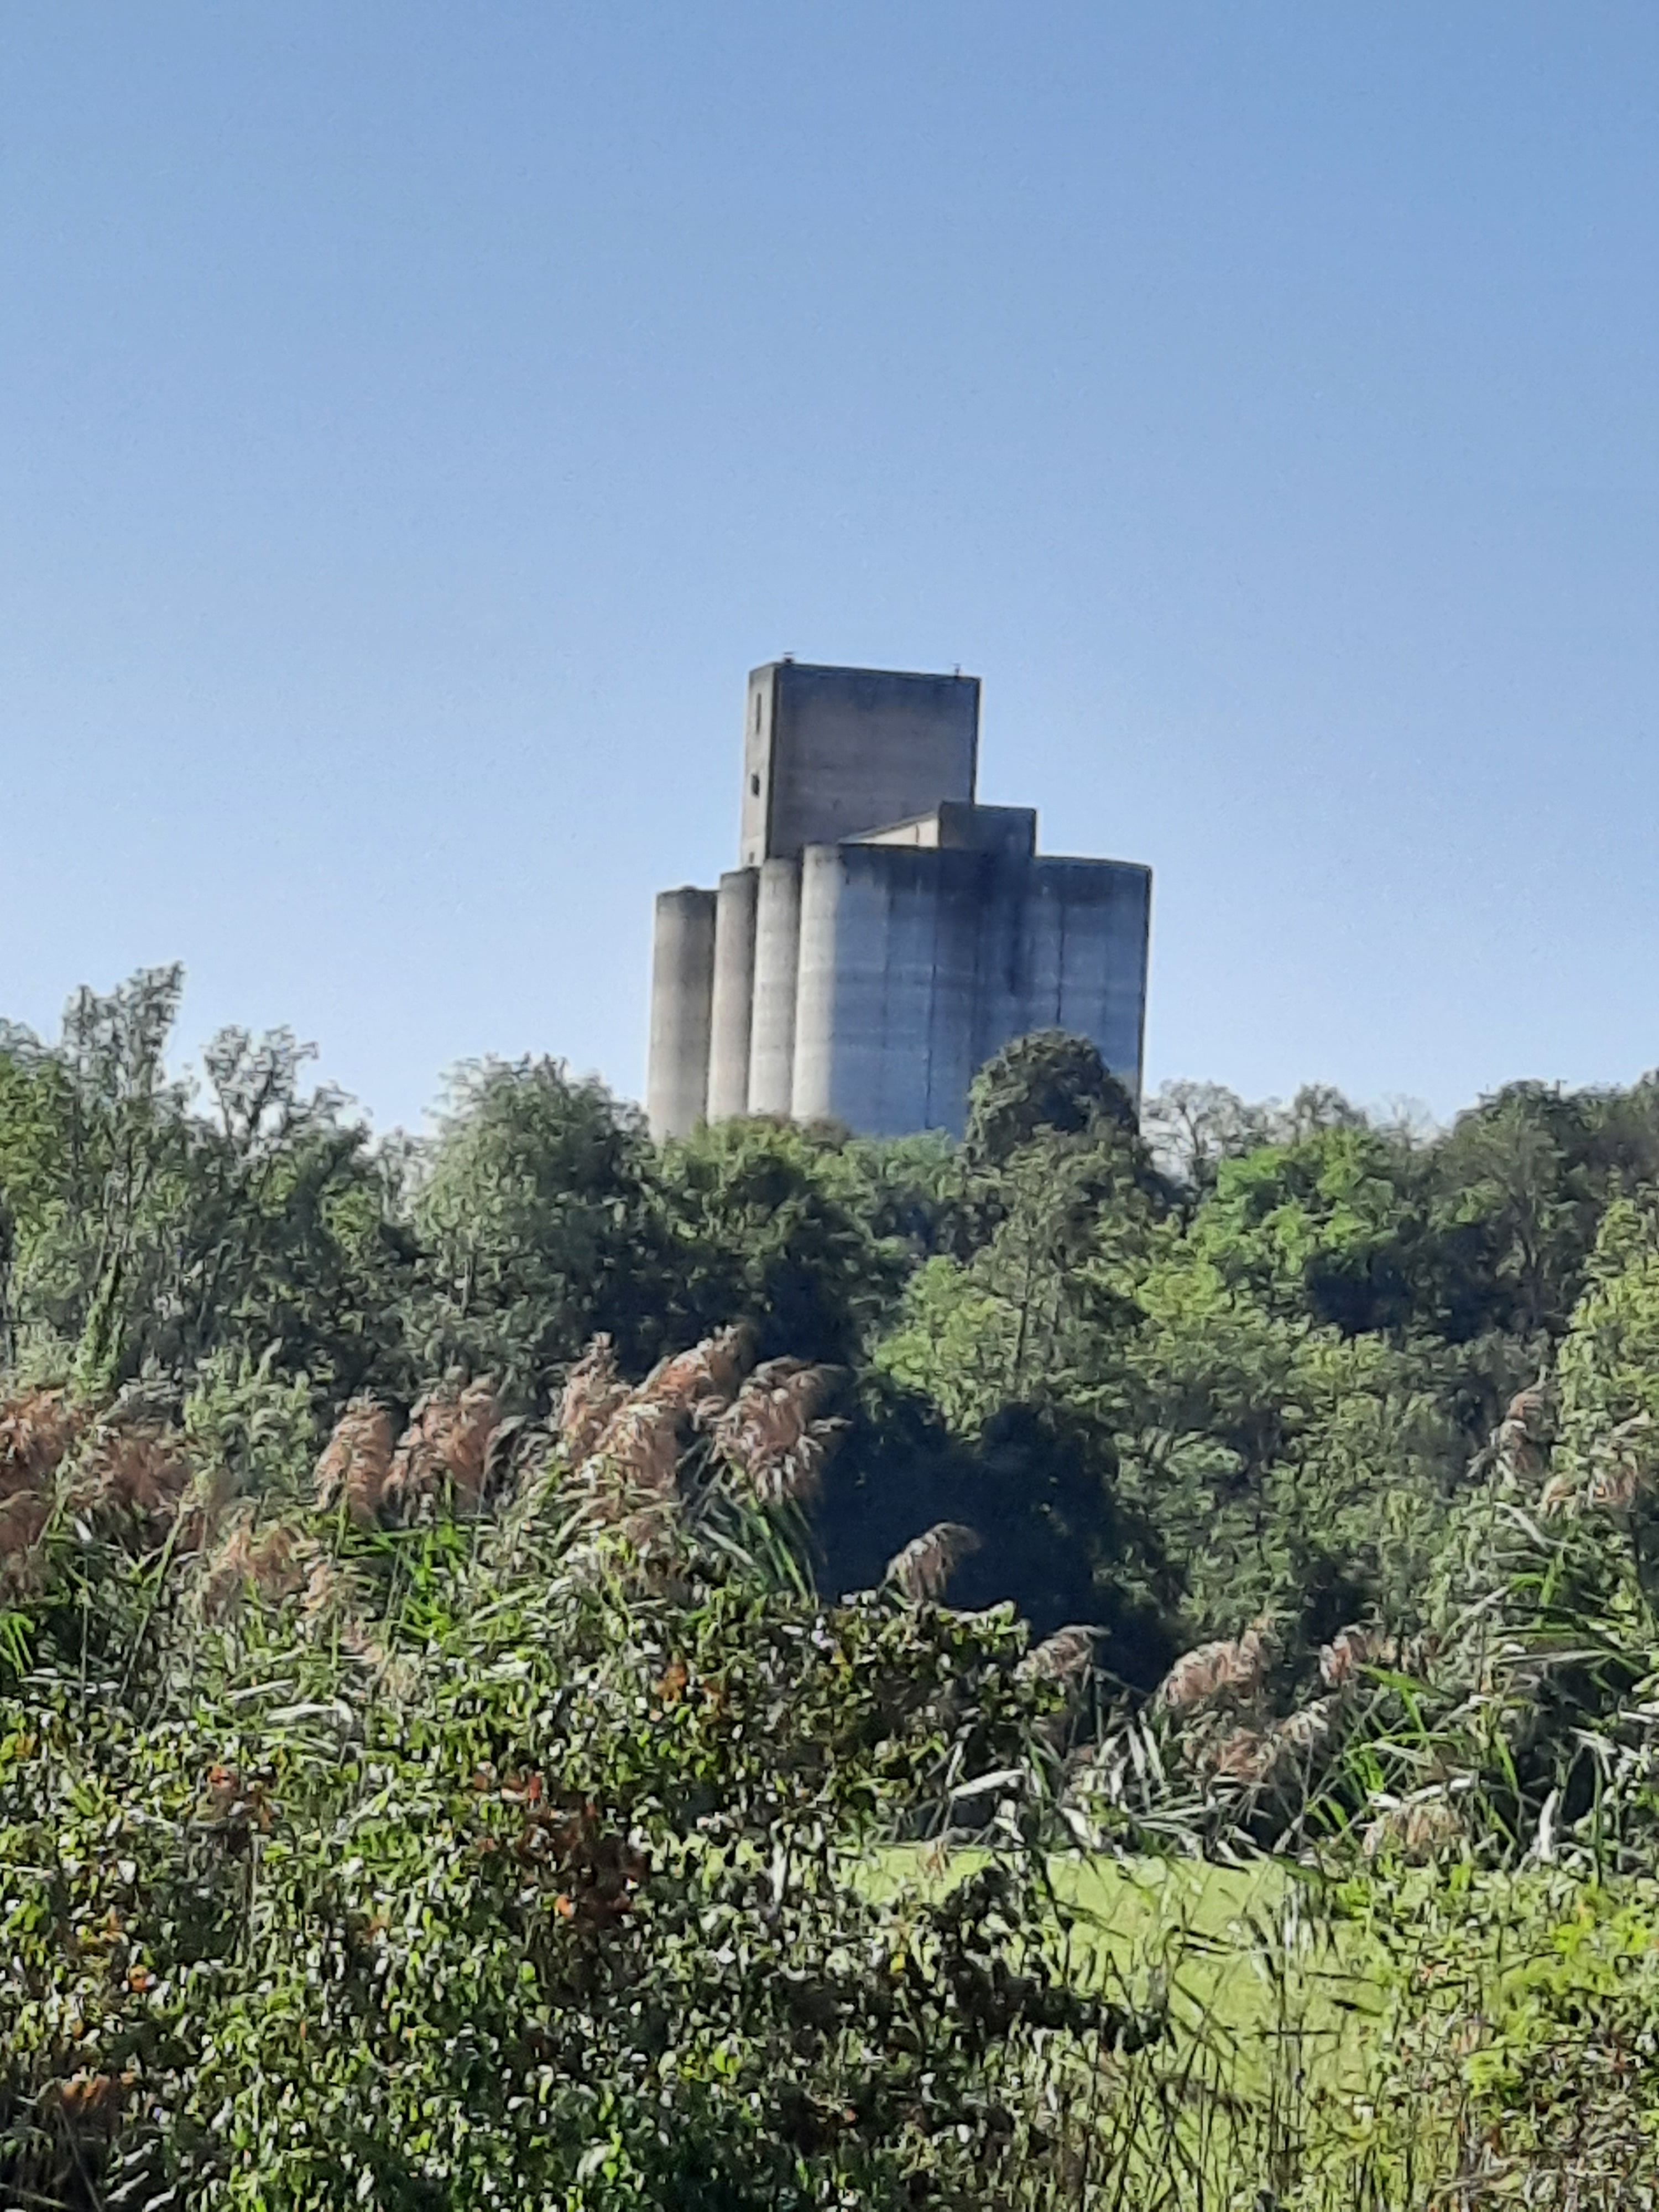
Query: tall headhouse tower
<point x="885" y="933"/>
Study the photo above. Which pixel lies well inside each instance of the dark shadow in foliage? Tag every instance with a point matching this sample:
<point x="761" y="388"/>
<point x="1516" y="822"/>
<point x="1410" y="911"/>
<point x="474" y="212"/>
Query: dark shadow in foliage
<point x="1038" y="1494"/>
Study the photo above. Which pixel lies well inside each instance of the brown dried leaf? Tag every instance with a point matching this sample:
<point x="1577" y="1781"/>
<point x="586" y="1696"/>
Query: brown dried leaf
<point x="90" y="2099"/>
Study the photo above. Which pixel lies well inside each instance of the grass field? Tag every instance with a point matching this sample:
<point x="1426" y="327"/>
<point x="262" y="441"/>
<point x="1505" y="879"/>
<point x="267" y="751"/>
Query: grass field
<point x="1274" y="2019"/>
<point x="1453" y="2039"/>
<point x="1236" y="1951"/>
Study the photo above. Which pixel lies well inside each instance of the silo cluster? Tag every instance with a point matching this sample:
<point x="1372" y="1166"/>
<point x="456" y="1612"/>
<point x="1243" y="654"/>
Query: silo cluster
<point x="885" y="933"/>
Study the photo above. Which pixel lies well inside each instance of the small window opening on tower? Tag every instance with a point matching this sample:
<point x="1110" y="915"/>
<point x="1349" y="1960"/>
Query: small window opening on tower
<point x="754" y="786"/>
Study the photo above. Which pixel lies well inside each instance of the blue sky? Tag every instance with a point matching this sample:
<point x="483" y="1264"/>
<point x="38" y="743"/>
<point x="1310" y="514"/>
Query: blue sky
<point x="415" y="419"/>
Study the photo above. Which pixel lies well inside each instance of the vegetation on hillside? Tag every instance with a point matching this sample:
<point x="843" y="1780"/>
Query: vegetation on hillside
<point x="470" y="1609"/>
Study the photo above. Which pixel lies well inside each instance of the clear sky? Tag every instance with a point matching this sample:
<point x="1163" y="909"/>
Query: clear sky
<point x="416" y="418"/>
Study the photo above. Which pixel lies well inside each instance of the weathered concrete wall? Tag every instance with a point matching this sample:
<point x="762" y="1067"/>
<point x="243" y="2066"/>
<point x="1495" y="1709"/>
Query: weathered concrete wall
<point x="1064" y="946"/>
<point x="734" y="991"/>
<point x="917" y="965"/>
<point x="681" y="998"/>
<point x="777" y="942"/>
<point x="867" y="984"/>
<point x="828" y="752"/>
<point x="890" y="985"/>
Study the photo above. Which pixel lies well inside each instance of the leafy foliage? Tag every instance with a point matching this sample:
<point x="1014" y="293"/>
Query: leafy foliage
<point x="429" y="1774"/>
<point x="531" y="1209"/>
<point x="451" y="1872"/>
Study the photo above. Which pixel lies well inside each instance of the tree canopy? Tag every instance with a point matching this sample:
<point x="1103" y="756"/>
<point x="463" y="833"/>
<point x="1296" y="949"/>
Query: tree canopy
<point x="466" y="1603"/>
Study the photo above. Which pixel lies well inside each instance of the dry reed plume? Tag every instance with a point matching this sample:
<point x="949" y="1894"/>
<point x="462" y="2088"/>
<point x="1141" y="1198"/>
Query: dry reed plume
<point x="273" y="1563"/>
<point x="640" y="1449"/>
<point x="445" y="1446"/>
<point x="712" y="1369"/>
<point x="1212" y="1669"/>
<point x="1614" y="1489"/>
<point x="1416" y="1829"/>
<point x="356" y="1462"/>
<point x="1311" y="1729"/>
<point x="327" y="1590"/>
<point x="1244" y="1756"/>
<point x="23" y="1518"/>
<point x="136" y="1468"/>
<point x="1352" y="1649"/>
<point x="770" y="1433"/>
<point x="1066" y="1657"/>
<point x="1517" y="1447"/>
<point x="1252" y="1756"/>
<point x="1560" y="1494"/>
<point x="592" y="1391"/>
<point x="927" y="1562"/>
<point x="38" y="1428"/>
<point x="637" y="1450"/>
<point x="1622" y="1468"/>
<point x="129" y="1465"/>
<point x="335" y="1605"/>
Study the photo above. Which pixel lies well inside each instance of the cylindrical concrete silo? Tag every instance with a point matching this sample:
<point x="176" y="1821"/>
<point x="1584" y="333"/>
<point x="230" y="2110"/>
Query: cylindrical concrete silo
<point x="682" y="995"/>
<point x="864" y="1019"/>
<point x="817" y="1006"/>
<point x="734" y="993"/>
<point x="777" y="952"/>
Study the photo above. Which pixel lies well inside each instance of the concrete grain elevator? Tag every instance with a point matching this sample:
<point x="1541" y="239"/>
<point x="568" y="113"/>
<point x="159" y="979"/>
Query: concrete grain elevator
<point x="885" y="933"/>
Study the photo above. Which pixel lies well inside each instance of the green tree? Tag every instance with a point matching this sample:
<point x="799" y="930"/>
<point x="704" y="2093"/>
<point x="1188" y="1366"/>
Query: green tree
<point x="1287" y="1467"/>
<point x="1033" y="1314"/>
<point x="1049" y="1080"/>
<point x="1520" y="1184"/>
<point x="765" y="1221"/>
<point x="534" y="1206"/>
<point x="146" y="1233"/>
<point x="1332" y="1226"/>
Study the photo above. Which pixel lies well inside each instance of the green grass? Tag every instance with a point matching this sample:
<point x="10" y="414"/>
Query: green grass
<point x="1236" y="1950"/>
<point x="1274" y="2019"/>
